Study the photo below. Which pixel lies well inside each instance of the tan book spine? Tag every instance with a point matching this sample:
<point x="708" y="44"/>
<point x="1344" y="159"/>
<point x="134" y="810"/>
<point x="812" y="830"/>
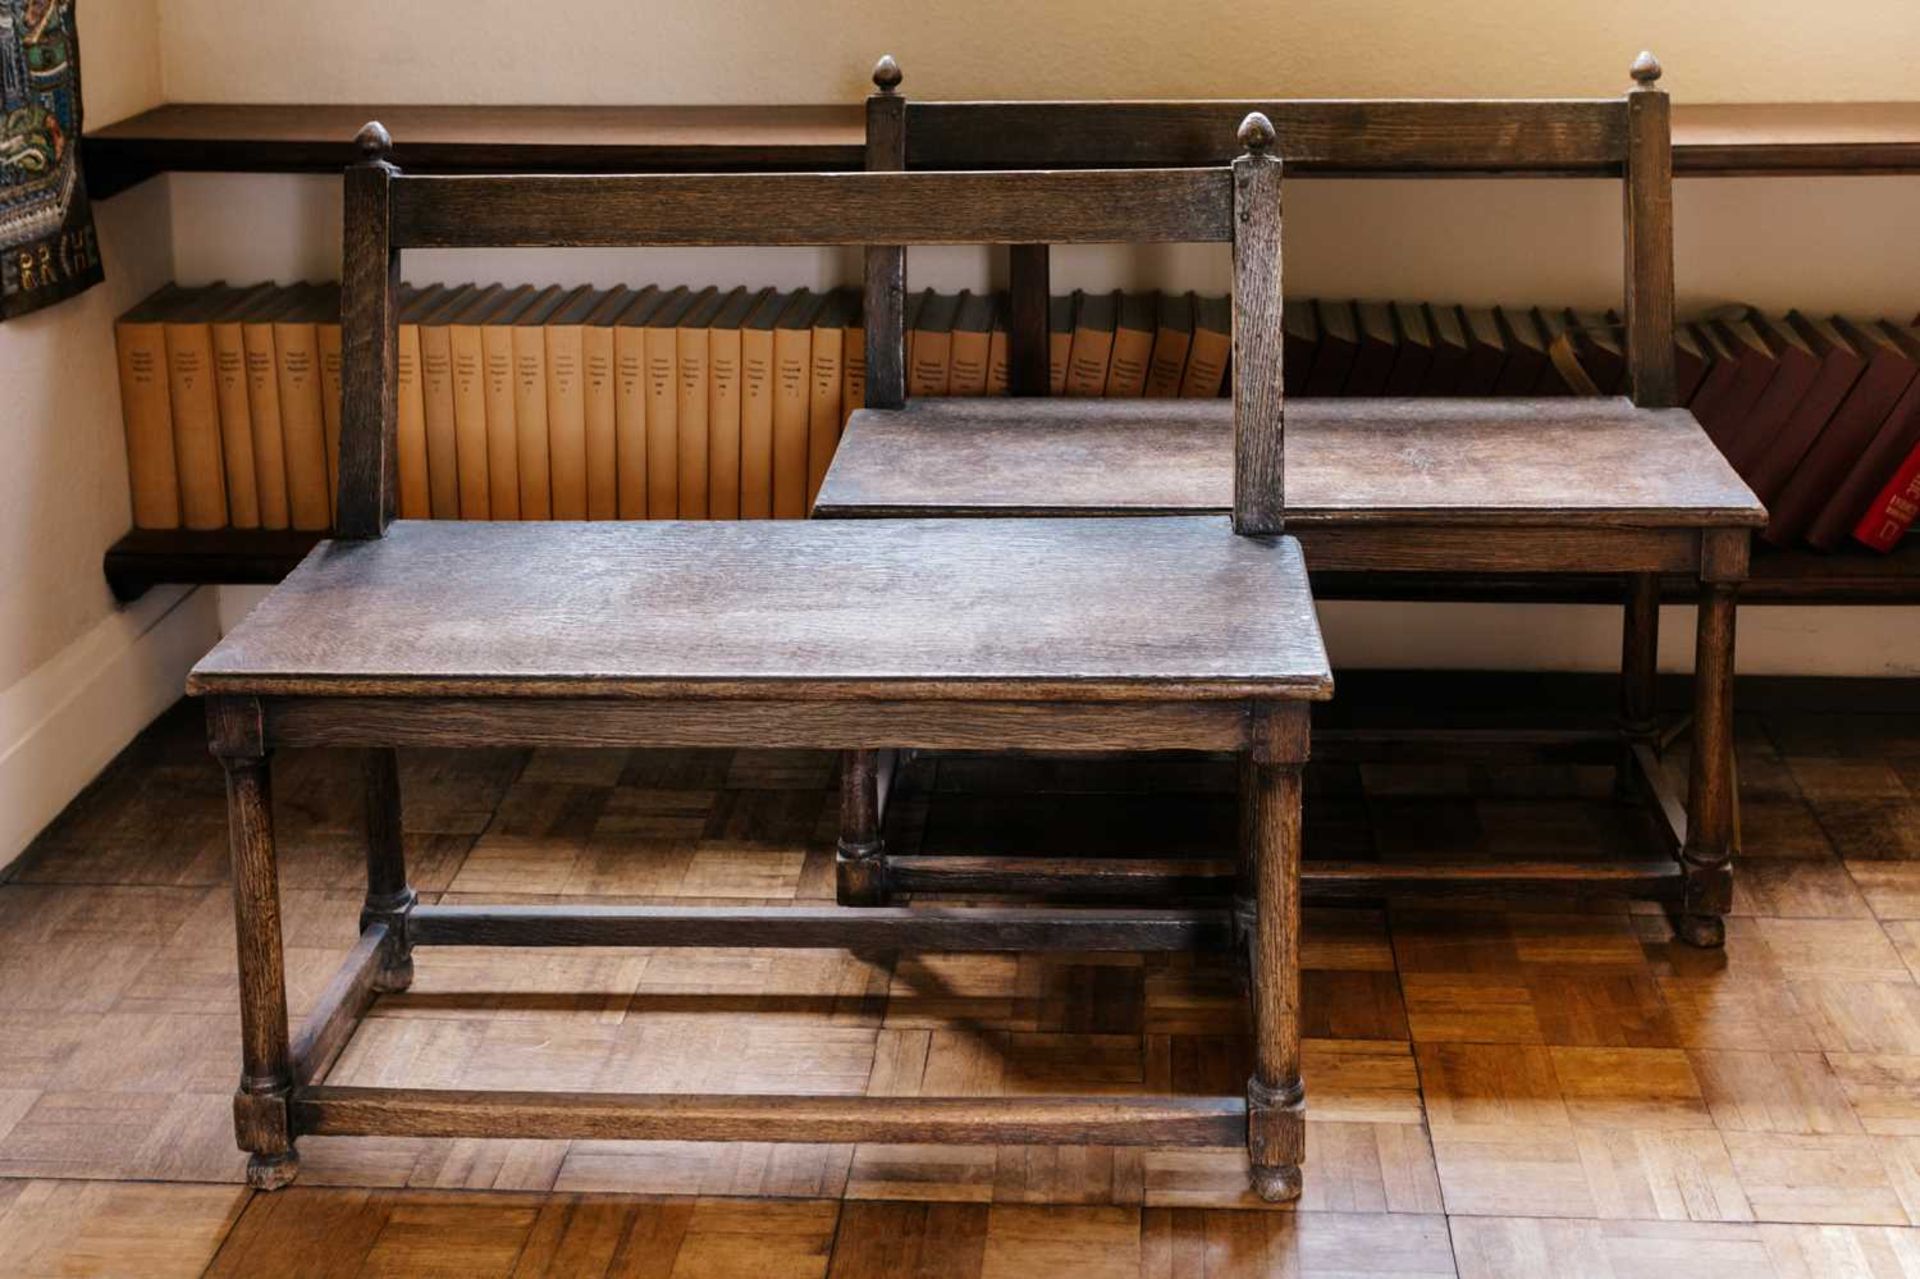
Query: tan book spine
<point x="663" y="423"/>
<point x="1132" y="351"/>
<point x="932" y="357"/>
<point x="1206" y="363"/>
<point x="972" y="350"/>
<point x="196" y="424"/>
<point x="792" y="365"/>
<point x="471" y="446"/>
<point x="723" y="423"/>
<point x="998" y="379"/>
<point x="598" y="420"/>
<point x="567" y="419"/>
<point x="410" y="414"/>
<point x="503" y="437"/>
<point x="692" y="347"/>
<point x="824" y="416"/>
<point x="269" y="435"/>
<point x="853" y="370"/>
<point x="153" y="476"/>
<point x="236" y="424"/>
<point x="630" y="420"/>
<point x="327" y="335"/>
<point x="1059" y="347"/>
<point x="443" y="441"/>
<point x="530" y="422"/>
<point x="297" y="357"/>
<point x="756" y="424"/>
<point x="1169" y="362"/>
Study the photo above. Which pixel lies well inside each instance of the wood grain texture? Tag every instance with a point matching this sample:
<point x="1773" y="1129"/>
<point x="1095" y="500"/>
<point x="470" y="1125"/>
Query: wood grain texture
<point x="1139" y="1121"/>
<point x="1651" y="379"/>
<point x="1350" y="136"/>
<point x="1259" y="408"/>
<point x="773" y="607"/>
<point x="885" y="312"/>
<point x="369" y="285"/>
<point x="537" y="210"/>
<point x="1544" y="462"/>
<point x="1030" y="292"/>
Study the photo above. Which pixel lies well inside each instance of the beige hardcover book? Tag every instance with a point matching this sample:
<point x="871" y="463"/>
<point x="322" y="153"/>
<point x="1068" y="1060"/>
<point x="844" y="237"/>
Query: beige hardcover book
<point x="853" y="362"/>
<point x="140" y="342"/>
<point x="630" y="398"/>
<point x="326" y="332"/>
<point x="915" y="301"/>
<point x="723" y="404"/>
<point x="692" y="403"/>
<point x="236" y="417"/>
<point x="597" y="380"/>
<point x="1133" y="334"/>
<point x="932" y="360"/>
<point x="436" y="402"/>
<point x="663" y="404"/>
<point x="824" y="417"/>
<point x="972" y="345"/>
<point x="999" y="381"/>
<point x="296" y="351"/>
<point x="1092" y="350"/>
<point x="1211" y="347"/>
<point x="1172" y="336"/>
<point x="1060" y="317"/>
<point x="263" y="407"/>
<point x="792" y="396"/>
<point x="410" y="411"/>
<point x="756" y="407"/>
<point x="503" y="434"/>
<point x="530" y="424"/>
<point x="196" y="408"/>
<point x="466" y="337"/>
<point x="567" y="405"/>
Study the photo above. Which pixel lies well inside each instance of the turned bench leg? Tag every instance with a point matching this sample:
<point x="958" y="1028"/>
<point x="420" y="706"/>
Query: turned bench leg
<point x="1707" y="855"/>
<point x="860" y="861"/>
<point x="1639" y="671"/>
<point x="262" y="1124"/>
<point x="389" y="897"/>
<point x="1276" y="1102"/>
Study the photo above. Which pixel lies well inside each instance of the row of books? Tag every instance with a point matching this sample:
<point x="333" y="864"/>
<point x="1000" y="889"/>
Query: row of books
<point x="631" y="403"/>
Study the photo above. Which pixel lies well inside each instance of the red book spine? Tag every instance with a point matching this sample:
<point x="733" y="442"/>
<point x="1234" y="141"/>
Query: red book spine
<point x="1890" y="515"/>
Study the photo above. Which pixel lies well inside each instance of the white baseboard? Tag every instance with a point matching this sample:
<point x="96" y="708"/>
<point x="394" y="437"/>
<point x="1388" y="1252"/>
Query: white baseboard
<point x="67" y="718"/>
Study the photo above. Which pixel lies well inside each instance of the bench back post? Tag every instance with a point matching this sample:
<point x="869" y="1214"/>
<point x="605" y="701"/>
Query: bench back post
<point x="1649" y="239"/>
<point x="369" y="284"/>
<point x="1259" y="401"/>
<point x="886" y="285"/>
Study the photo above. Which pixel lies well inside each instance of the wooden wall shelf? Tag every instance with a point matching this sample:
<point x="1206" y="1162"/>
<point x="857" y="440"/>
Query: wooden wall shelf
<point x="146" y="558"/>
<point x="1725" y="140"/>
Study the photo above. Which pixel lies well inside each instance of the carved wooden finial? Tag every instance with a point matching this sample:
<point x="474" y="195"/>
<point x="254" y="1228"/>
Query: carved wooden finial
<point x="1256" y="133"/>
<point x="886" y="74"/>
<point x="1646" y="69"/>
<point x="374" y="142"/>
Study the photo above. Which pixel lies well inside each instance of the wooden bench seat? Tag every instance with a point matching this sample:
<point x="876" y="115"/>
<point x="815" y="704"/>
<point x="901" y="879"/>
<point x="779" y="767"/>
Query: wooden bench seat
<point x="969" y="609"/>
<point x="1544" y="462"/>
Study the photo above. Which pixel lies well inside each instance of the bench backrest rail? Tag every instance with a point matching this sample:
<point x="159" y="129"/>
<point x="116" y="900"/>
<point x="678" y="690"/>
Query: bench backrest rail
<point x="388" y="211"/>
<point x="1626" y="138"/>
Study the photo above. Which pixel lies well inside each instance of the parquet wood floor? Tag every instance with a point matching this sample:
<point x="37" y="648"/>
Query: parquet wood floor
<point x="1495" y="1088"/>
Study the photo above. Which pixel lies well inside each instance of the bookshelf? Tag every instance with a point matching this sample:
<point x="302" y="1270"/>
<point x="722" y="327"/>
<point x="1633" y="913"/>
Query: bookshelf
<point x="1802" y="138"/>
<point x="1779" y="139"/>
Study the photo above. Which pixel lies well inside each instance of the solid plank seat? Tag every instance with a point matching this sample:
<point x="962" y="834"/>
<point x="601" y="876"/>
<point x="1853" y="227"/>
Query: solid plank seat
<point x="1178" y="609"/>
<point x="1547" y="462"/>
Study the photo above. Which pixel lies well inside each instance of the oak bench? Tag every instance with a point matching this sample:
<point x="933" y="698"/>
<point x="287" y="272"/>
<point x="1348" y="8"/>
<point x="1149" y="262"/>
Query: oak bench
<point x="1039" y="634"/>
<point x="1627" y="486"/>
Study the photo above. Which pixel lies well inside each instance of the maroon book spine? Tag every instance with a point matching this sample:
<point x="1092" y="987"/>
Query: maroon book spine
<point x="1877" y="462"/>
<point x="1840" y="367"/>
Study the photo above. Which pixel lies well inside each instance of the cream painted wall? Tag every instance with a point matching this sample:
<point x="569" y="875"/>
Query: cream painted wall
<point x="63" y="492"/>
<point x="820" y="50"/>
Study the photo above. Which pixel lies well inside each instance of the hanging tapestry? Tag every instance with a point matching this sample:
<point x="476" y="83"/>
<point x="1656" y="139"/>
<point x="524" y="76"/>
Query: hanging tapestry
<point x="47" y="247"/>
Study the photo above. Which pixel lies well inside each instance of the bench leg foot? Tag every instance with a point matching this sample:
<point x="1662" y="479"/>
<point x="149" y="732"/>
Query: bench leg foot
<point x="1276" y="1101"/>
<point x="1707" y="857"/>
<point x="273" y="1172"/>
<point x="389" y="897"/>
<point x="860" y="861"/>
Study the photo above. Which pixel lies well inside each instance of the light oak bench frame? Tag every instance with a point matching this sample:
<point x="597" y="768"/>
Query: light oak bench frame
<point x="1626" y="138"/>
<point x="252" y="709"/>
